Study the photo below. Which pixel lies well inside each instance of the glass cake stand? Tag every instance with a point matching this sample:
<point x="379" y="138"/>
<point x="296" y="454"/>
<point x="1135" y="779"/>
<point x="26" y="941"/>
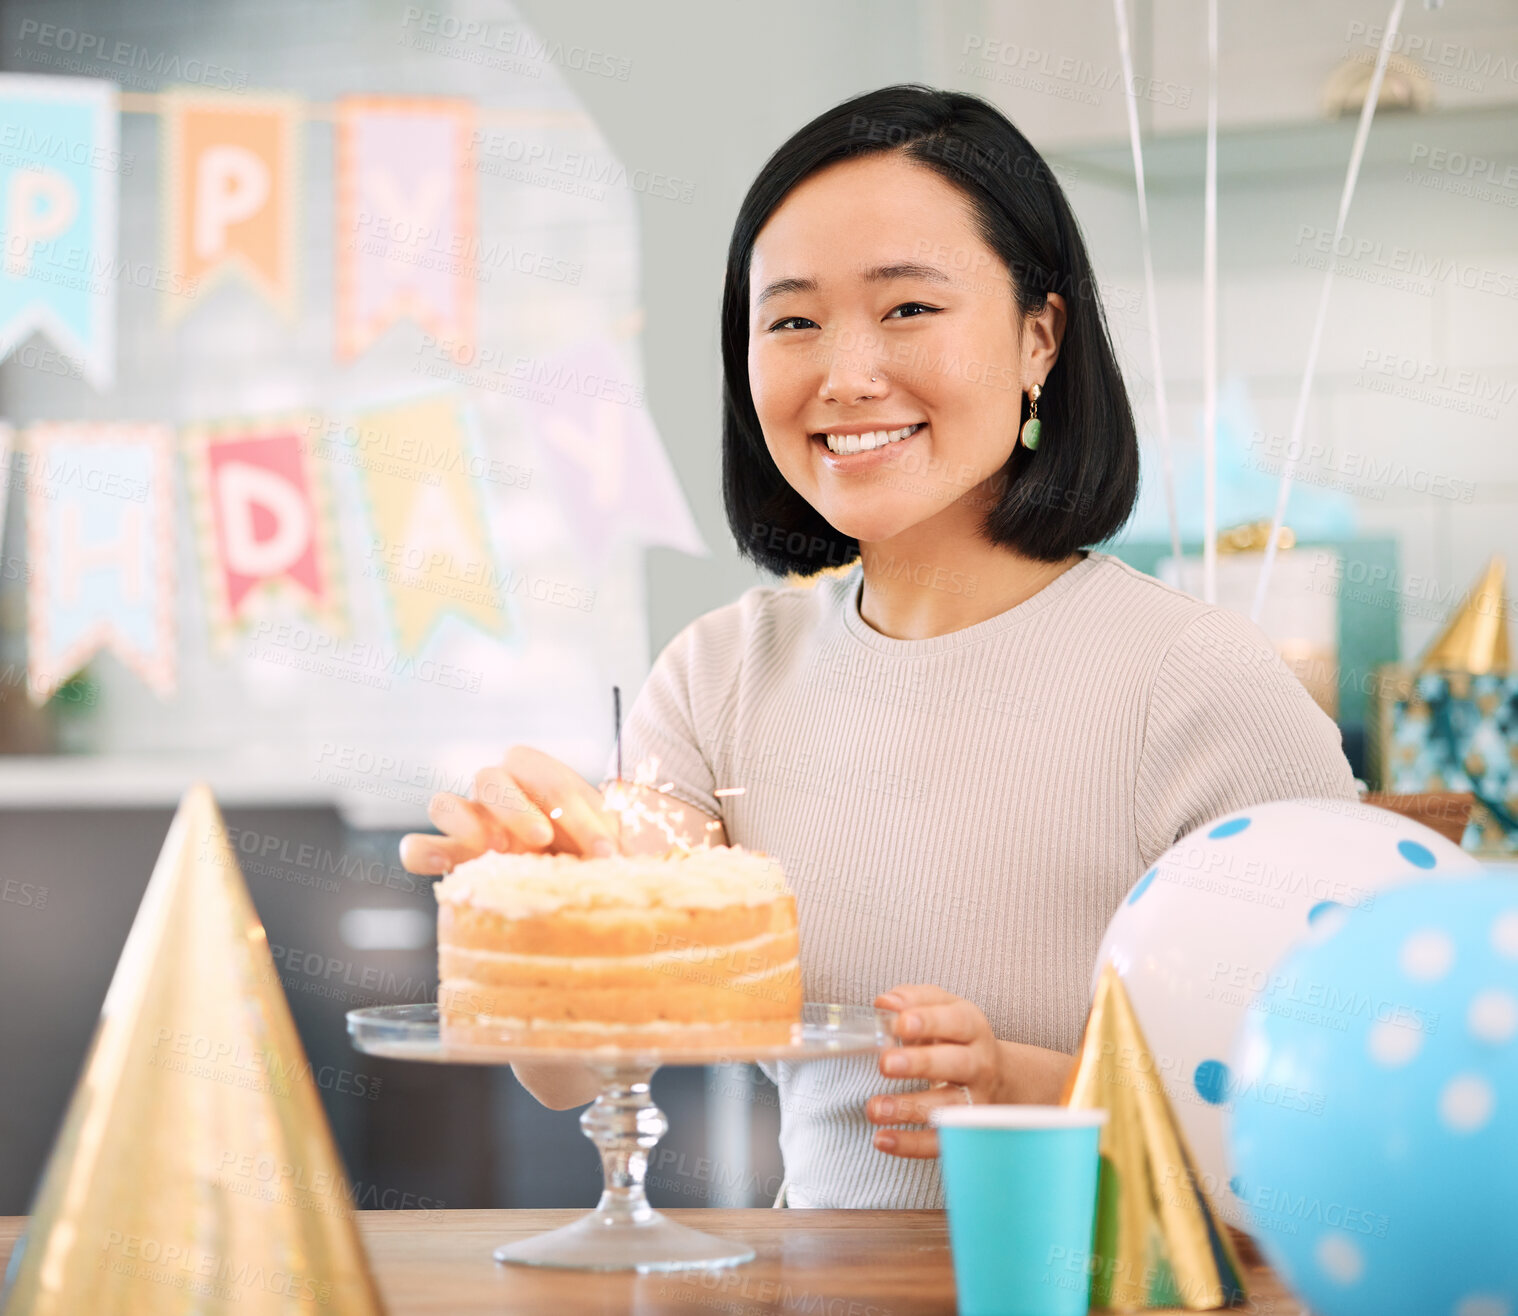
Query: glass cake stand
<point x="624" y="1232"/>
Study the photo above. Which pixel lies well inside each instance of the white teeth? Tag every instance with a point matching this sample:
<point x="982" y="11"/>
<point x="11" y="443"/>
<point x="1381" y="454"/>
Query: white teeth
<point x="848" y="443"/>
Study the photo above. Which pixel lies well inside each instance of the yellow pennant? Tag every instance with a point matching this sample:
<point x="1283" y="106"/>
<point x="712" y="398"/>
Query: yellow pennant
<point x="430" y="546"/>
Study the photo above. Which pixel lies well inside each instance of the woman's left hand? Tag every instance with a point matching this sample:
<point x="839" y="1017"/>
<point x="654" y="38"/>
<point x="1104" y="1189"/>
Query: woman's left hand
<point x="954" y="1049"/>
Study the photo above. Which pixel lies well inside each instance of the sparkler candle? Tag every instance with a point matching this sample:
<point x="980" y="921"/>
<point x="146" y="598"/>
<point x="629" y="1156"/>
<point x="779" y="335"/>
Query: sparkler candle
<point x="632" y="807"/>
<point x="616" y="725"/>
<point x="627" y="799"/>
<point x="638" y="811"/>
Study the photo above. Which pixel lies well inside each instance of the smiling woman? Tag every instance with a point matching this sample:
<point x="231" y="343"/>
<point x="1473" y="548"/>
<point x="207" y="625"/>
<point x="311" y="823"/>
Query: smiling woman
<point x="903" y="274"/>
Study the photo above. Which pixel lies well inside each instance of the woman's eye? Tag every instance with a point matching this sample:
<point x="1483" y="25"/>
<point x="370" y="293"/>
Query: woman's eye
<point x="911" y="310"/>
<point x="791" y="320"/>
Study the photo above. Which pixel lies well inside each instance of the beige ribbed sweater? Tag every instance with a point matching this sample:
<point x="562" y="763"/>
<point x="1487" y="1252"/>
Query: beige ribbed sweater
<point x="966" y="810"/>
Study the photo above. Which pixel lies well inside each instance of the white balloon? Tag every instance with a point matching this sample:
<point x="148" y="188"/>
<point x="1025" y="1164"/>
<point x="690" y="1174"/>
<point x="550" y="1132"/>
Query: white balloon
<point x="1198" y="935"/>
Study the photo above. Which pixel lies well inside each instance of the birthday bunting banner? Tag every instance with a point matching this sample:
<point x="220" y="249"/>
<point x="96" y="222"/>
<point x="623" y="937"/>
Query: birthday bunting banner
<point x="100" y="544"/>
<point x="430" y="545"/>
<point x="230" y="181"/>
<point x="611" y="471"/>
<point x="263" y="522"/>
<point x="406" y="237"/>
<point x="60" y="166"/>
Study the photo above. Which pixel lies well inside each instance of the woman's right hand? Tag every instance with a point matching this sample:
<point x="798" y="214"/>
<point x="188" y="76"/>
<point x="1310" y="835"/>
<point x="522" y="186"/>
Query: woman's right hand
<point x="530" y="801"/>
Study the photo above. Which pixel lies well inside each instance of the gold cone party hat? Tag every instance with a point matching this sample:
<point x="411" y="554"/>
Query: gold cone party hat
<point x="1475" y="641"/>
<point x="1157" y="1243"/>
<point x="194" y="1171"/>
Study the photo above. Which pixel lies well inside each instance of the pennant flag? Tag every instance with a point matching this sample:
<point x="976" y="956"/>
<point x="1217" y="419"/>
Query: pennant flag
<point x="60" y="166"/>
<point x="262" y="520"/>
<point x="100" y="539"/>
<point x="430" y="544"/>
<point x="611" y="470"/>
<point x="406" y="229"/>
<point x="230" y="179"/>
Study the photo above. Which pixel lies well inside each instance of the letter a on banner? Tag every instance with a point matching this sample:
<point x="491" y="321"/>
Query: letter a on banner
<point x="230" y="170"/>
<point x="59" y="177"/>
<point x="406" y="232"/>
<point x="100" y="540"/>
<point x="431" y="544"/>
<point x="263" y="521"/>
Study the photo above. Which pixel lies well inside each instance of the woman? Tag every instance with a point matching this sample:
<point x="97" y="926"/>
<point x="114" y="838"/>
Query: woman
<point x="966" y="749"/>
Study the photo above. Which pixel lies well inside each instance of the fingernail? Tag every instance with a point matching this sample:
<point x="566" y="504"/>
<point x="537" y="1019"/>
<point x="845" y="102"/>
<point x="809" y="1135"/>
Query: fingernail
<point x="910" y="1023"/>
<point x="542" y="833"/>
<point x="890" y="1001"/>
<point x="603" y="848"/>
<point x="894" y="1063"/>
<point x="886" y="1141"/>
<point x="885" y="1109"/>
<point x="438" y="861"/>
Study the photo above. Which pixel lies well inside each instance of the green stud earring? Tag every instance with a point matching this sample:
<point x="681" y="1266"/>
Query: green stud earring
<point x="1032" y="427"/>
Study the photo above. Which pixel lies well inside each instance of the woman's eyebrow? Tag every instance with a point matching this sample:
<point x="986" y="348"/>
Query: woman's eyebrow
<point x="905" y="270"/>
<point x="782" y="286"/>
<point x="876" y="274"/>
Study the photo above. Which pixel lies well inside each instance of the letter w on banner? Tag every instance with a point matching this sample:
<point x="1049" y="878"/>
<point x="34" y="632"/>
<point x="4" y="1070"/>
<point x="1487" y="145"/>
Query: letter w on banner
<point x="263" y="520"/>
<point x="100" y="539"/>
<point x="230" y="171"/>
<point x="406" y="227"/>
<point x="60" y="167"/>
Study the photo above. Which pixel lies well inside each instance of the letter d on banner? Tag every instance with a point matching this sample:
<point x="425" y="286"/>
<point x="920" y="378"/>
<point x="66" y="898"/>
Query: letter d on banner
<point x="263" y="522"/>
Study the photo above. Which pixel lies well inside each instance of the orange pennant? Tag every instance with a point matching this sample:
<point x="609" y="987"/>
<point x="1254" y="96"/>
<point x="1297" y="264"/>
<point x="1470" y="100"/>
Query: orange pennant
<point x="230" y="169"/>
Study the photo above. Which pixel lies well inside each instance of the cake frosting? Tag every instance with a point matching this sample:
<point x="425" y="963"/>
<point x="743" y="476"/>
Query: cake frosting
<point x="521" y="885"/>
<point x="693" y="948"/>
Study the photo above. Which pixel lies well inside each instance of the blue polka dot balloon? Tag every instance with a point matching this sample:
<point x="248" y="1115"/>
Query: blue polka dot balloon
<point x="1194" y="939"/>
<point x="1378" y="1155"/>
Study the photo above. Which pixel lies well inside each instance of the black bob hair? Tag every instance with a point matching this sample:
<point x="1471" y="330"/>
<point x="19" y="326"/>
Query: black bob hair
<point x="1078" y="487"/>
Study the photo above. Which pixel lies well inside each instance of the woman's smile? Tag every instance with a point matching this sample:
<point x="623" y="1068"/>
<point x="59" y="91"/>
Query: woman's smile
<point x="854" y="447"/>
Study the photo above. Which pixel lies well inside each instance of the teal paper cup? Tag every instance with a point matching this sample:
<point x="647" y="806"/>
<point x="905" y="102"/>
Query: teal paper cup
<point x="1020" y="1184"/>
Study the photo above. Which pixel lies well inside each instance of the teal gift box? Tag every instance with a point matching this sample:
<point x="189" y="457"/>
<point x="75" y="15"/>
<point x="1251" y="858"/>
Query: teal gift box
<point x="1451" y="731"/>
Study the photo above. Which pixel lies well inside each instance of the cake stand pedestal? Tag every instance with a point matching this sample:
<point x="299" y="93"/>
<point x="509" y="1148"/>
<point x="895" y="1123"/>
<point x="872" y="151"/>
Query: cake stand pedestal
<point x="624" y="1232"/>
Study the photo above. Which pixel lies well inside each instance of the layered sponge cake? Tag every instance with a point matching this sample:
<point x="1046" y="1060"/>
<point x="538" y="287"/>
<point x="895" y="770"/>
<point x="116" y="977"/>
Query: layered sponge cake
<point x="692" y="949"/>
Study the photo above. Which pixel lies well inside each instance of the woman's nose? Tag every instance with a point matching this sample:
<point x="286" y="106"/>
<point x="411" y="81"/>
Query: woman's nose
<point x="852" y="371"/>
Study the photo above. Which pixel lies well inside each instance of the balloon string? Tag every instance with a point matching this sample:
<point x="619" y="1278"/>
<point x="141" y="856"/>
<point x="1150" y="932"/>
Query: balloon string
<point x="1210" y="324"/>
<point x="1157" y="369"/>
<point x="1299" y="419"/>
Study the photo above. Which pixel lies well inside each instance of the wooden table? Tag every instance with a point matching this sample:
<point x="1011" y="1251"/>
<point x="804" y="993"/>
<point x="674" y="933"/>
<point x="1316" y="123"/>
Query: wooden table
<point x="810" y="1263"/>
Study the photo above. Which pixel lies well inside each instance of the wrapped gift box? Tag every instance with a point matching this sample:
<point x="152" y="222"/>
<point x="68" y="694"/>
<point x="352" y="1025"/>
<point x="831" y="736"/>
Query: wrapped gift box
<point x="1451" y="731"/>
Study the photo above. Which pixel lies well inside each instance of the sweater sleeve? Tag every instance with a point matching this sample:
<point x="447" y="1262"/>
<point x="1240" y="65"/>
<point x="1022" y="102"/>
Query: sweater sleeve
<point x="662" y="724"/>
<point x="1228" y="726"/>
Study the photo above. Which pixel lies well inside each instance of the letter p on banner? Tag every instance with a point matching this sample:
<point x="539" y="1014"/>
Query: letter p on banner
<point x="59" y="183"/>
<point x="231" y="168"/>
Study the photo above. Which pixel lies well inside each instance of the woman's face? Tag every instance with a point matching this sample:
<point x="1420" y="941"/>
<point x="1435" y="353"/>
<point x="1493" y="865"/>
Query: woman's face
<point x="874" y="267"/>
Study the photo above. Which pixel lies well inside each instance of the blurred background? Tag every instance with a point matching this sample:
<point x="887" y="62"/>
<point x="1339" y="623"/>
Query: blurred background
<point x="496" y="346"/>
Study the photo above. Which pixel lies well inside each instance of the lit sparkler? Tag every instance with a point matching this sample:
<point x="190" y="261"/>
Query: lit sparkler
<point x="636" y="812"/>
<point x="642" y="805"/>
